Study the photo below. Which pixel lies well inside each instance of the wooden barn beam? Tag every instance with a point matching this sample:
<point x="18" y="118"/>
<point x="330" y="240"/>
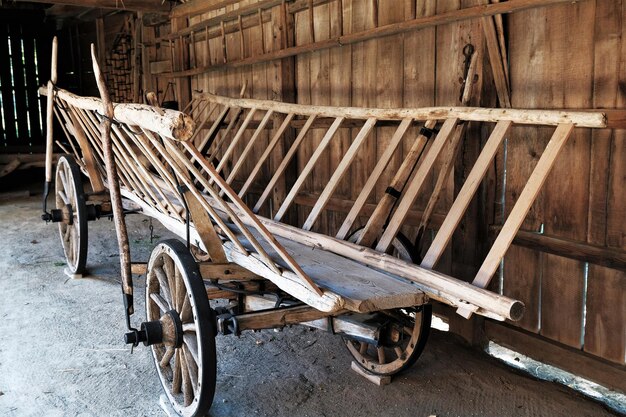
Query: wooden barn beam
<point x="127" y="5"/>
<point x="378" y="32"/>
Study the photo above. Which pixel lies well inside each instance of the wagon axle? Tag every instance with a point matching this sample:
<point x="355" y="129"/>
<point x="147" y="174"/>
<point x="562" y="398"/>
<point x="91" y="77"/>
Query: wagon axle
<point x="167" y="330"/>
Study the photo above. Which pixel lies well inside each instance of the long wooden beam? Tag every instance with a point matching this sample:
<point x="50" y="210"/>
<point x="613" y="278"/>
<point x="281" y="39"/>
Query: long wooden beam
<point x="387" y="30"/>
<point x="126" y="5"/>
<point x="593" y="119"/>
<point x="168" y="123"/>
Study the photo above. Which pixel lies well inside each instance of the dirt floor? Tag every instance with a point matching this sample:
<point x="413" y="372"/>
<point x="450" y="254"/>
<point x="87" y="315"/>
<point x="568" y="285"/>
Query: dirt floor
<point x="62" y="354"/>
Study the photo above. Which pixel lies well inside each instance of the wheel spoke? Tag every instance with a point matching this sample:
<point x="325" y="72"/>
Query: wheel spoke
<point x="407" y="330"/>
<point x="381" y="355"/>
<point x="63" y="179"/>
<point x="186" y="315"/>
<point x="192" y="345"/>
<point x="168" y="267"/>
<point x="180" y="290"/>
<point x="363" y="348"/>
<point x="398" y="351"/>
<point x="165" y="289"/>
<point x="63" y="196"/>
<point x="159" y="301"/>
<point x="187" y="386"/>
<point x="177" y="378"/>
<point x="189" y="327"/>
<point x="167" y="356"/>
<point x="192" y="368"/>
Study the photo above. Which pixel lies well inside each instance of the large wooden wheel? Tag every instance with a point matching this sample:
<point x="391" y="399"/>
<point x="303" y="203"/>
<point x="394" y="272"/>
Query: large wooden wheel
<point x="70" y="200"/>
<point x="404" y="334"/>
<point x="186" y="358"/>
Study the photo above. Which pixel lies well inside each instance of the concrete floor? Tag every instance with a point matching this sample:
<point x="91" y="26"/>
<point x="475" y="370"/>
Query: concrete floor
<point x="61" y="349"/>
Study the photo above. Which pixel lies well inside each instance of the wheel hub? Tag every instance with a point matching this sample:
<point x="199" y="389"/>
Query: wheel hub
<point x="167" y="330"/>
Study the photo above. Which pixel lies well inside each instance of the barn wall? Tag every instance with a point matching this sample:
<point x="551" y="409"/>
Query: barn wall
<point x="563" y="56"/>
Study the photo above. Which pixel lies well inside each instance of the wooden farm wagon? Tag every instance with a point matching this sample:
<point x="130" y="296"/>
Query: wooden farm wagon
<point x="197" y="172"/>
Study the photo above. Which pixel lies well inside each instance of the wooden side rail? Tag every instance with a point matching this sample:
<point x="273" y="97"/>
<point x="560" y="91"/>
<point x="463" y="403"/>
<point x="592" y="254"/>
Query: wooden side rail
<point x="440" y="130"/>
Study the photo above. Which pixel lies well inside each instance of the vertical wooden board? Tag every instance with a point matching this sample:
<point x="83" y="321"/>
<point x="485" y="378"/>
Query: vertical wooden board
<point x="31" y="85"/>
<point x="7" y="82"/>
<point x="605" y="330"/>
<point x="320" y="95"/>
<point x="389" y="84"/>
<point x="571" y="30"/>
<point x="340" y="95"/>
<point x="605" y="324"/>
<point x="523" y="148"/>
<point x="364" y="80"/>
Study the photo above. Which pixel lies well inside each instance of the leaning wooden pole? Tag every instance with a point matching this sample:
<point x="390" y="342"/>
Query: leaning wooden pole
<point x="49" y="123"/>
<point x="114" y="186"/>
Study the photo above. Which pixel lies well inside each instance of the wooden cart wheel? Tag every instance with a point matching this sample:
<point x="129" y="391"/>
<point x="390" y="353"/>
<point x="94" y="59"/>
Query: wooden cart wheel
<point x="186" y="359"/>
<point x="70" y="199"/>
<point x="405" y="336"/>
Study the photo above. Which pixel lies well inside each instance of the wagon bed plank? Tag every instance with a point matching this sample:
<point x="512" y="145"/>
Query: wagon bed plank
<point x="363" y="289"/>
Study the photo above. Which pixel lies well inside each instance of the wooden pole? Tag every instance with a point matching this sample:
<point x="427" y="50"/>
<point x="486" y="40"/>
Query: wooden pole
<point x="50" y="111"/>
<point x="114" y="186"/>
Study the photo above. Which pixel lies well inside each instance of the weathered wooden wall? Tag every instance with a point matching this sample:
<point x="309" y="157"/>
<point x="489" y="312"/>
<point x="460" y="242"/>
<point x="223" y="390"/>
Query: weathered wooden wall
<point x="562" y="56"/>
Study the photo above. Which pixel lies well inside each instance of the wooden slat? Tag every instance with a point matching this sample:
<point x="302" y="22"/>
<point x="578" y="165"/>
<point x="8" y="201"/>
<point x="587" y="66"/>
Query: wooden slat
<point x="465" y="195"/>
<point x="205" y="229"/>
<point x="525" y="200"/>
<point x="249" y="146"/>
<point x="373" y="179"/>
<point x="268" y="150"/>
<point x="235" y="140"/>
<point x="308" y="168"/>
<point x="383" y="209"/>
<point x="414" y="187"/>
<point x="283" y="165"/>
<point x="338" y="174"/>
<point x="251" y="217"/>
<point x="215" y="146"/>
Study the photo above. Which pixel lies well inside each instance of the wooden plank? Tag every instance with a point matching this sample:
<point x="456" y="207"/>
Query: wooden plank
<point x="338" y="174"/>
<point x="372" y="180"/>
<point x="362" y="288"/>
<point x="413" y="188"/>
<point x="97" y="185"/>
<point x="569" y="359"/>
<point x="278" y="318"/>
<point x="525" y="200"/>
<point x="308" y="168"/>
<point x="437" y="286"/>
<point x="496" y="61"/>
<point x="129" y="5"/>
<point x="387" y="30"/>
<point x="562" y="318"/>
<point x="465" y="195"/>
<point x="205" y="229"/>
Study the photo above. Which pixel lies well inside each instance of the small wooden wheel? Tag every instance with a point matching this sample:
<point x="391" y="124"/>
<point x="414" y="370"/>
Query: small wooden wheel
<point x="70" y="200"/>
<point x="186" y="359"/>
<point x="403" y="337"/>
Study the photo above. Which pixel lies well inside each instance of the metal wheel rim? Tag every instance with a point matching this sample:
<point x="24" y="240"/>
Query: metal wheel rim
<point x="376" y="359"/>
<point x="69" y="191"/>
<point x="174" y="260"/>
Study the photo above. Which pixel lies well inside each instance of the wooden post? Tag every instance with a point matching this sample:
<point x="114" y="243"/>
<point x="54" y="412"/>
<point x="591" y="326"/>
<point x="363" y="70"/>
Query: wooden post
<point x="50" y="111"/>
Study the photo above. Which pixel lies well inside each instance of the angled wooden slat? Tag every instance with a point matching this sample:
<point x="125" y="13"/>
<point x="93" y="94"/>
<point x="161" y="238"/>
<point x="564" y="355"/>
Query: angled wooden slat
<point x="266" y="153"/>
<point x="466" y="194"/>
<point x="339" y="172"/>
<point x="205" y="120"/>
<point x="354" y="212"/>
<point x="91" y="164"/>
<point x="375" y="223"/>
<point x="249" y="146"/>
<point x="414" y="187"/>
<point x="217" y="145"/>
<point x="257" y="224"/>
<point x="208" y="138"/>
<point x="180" y="172"/>
<point x="308" y="168"/>
<point x="523" y="204"/>
<point x="283" y="165"/>
<point x="235" y="141"/>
